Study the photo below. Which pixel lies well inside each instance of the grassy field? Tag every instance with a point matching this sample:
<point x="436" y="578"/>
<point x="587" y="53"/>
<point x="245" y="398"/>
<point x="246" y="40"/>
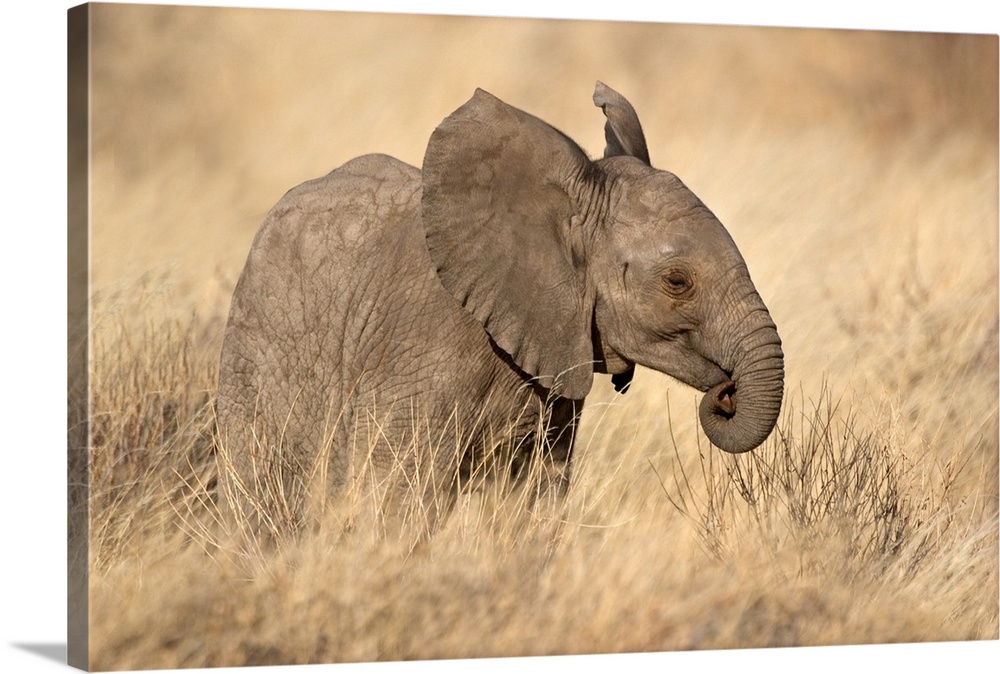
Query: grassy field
<point x="858" y="174"/>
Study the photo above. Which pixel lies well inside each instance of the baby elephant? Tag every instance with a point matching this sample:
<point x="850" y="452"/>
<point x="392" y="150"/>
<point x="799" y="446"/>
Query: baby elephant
<point x="418" y="328"/>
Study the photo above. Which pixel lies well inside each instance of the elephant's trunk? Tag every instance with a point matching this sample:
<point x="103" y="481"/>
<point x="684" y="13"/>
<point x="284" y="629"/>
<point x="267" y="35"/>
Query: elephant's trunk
<point x="739" y="414"/>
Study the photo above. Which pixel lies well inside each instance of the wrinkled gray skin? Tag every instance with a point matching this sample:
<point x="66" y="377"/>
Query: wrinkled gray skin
<point x="381" y="302"/>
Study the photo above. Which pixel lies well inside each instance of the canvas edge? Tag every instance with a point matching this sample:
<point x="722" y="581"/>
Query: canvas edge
<point x="78" y="275"/>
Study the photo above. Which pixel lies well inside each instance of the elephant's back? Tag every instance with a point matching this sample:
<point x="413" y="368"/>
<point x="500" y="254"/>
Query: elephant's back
<point x="339" y="213"/>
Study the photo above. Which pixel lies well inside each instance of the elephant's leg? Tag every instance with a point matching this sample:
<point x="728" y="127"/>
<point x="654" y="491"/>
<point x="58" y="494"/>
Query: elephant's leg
<point x="430" y="509"/>
<point x="546" y="461"/>
<point x="406" y="468"/>
<point x="564" y="418"/>
<point x="264" y="496"/>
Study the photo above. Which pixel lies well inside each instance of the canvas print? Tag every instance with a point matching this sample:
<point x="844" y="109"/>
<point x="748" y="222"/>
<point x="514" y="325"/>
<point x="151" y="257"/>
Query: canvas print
<point x="416" y="337"/>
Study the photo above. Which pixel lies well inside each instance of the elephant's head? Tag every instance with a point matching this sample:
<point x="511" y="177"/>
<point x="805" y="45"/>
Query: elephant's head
<point x="575" y="266"/>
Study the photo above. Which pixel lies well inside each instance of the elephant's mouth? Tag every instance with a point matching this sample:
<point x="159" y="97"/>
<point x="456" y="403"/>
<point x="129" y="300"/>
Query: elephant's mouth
<point x="709" y="377"/>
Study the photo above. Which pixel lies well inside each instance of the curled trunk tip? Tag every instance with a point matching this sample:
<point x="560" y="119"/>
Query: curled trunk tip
<point x="737" y="416"/>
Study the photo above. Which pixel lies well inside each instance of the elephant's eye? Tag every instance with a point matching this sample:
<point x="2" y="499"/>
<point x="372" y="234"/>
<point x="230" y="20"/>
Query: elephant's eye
<point x="677" y="283"/>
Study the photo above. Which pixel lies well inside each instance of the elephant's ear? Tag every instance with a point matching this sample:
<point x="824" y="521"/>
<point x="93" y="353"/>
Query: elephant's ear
<point x="622" y="131"/>
<point x="500" y="226"/>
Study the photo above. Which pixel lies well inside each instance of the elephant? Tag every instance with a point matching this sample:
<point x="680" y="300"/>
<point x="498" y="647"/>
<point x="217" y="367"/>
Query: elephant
<point x="423" y="326"/>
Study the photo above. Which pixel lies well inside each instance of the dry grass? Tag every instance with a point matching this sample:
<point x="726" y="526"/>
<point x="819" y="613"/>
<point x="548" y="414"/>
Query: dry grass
<point x="829" y="533"/>
<point x="857" y="172"/>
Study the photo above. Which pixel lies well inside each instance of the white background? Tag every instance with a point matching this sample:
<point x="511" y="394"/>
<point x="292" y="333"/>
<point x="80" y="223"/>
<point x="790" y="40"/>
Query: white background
<point x="33" y="326"/>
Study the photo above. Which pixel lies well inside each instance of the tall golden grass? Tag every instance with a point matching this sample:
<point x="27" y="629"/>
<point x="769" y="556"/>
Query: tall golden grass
<point x="856" y="171"/>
